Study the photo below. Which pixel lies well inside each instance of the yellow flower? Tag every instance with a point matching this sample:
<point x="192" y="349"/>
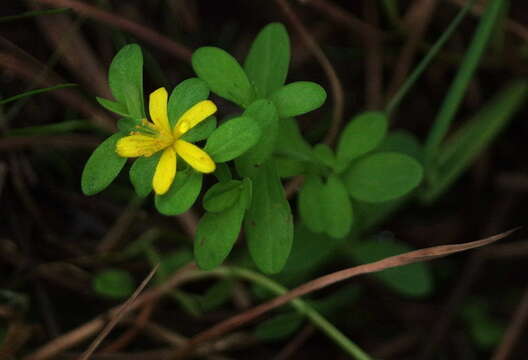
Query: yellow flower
<point x="157" y="135"/>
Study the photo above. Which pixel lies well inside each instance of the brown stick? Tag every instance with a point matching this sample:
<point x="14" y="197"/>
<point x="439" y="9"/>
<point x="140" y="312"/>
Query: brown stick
<point x="87" y="330"/>
<point x="75" y="52"/>
<point x="156" y="39"/>
<point x="327" y="280"/>
<point x="118" y="316"/>
<point x="27" y="70"/>
<point x="419" y="18"/>
<point x="335" y="83"/>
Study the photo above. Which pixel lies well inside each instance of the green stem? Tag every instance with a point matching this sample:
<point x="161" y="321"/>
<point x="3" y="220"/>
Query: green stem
<point x="420" y="68"/>
<point x="457" y="90"/>
<point x="302" y="307"/>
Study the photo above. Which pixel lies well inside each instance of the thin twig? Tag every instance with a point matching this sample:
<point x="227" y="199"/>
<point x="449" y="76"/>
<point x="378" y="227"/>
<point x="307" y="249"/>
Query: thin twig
<point x="27" y="70"/>
<point x="142" y="32"/>
<point x="335" y="83"/>
<point x="118" y="316"/>
<point x="327" y="280"/>
<point x="75" y="52"/>
<point x="418" y="18"/>
<point x="88" y="329"/>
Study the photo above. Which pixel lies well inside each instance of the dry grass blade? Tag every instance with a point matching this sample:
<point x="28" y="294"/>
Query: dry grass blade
<point x="156" y="39"/>
<point x="75" y="336"/>
<point x="327" y="280"/>
<point x="118" y="316"/>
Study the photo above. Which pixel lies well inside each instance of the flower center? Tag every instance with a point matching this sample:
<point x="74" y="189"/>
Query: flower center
<point x="160" y="138"/>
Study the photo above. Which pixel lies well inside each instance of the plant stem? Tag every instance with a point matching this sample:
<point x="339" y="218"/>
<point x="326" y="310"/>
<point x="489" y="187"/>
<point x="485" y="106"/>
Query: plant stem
<point x="302" y="307"/>
<point x="456" y="92"/>
<point x="422" y="66"/>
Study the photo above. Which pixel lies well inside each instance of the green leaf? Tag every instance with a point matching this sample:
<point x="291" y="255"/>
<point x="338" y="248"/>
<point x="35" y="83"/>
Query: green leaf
<point x="35" y="92"/>
<point x="340" y="300"/>
<point x="265" y="115"/>
<point x="142" y="172"/>
<point x="184" y="96"/>
<point x="268" y="224"/>
<point x="125" y="78"/>
<point x="222" y="196"/>
<point x="223" y="172"/>
<point x="102" y="167"/>
<point x="309" y="203"/>
<point x="279" y="327"/>
<point x="474" y="136"/>
<point x="232" y="138"/>
<point x="182" y="194"/>
<point x="173" y="262"/>
<point x="382" y="177"/>
<point x="410" y="280"/>
<point x="287" y="167"/>
<point x="361" y="135"/>
<point x="309" y="251"/>
<point x="404" y="142"/>
<point x="461" y="81"/>
<point x="114" y="284"/>
<point x="67" y="126"/>
<point x="126" y="124"/>
<point x="324" y="154"/>
<point x="298" y="98"/>
<point x="291" y="143"/>
<point x="269" y="57"/>
<point x="201" y="131"/>
<point x="247" y="192"/>
<point x="336" y="208"/>
<point x="216" y="296"/>
<point x="115" y="107"/>
<point x="223" y="74"/>
<point x="216" y="234"/>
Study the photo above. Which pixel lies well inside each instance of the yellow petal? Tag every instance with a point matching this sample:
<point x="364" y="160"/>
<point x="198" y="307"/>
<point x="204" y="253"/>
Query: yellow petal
<point x="165" y="171"/>
<point x="194" y="116"/>
<point x="158" y="109"/>
<point x="195" y="156"/>
<point x="138" y="145"/>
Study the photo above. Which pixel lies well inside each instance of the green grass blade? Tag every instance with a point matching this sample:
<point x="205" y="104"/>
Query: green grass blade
<point x="34" y="92"/>
<point x="422" y="66"/>
<point x="58" y="128"/>
<point x="458" y="88"/>
<point x="457" y="154"/>
<point x="30" y="14"/>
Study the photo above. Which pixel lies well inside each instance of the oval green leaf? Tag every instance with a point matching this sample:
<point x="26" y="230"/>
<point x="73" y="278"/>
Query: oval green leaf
<point x="268" y="59"/>
<point x="184" y="96"/>
<point x="298" y="98"/>
<point x="216" y="234"/>
<point x="142" y="172"/>
<point x="336" y="208"/>
<point x="222" y="196"/>
<point x="265" y="115"/>
<point x="362" y="134"/>
<point x="114" y="284"/>
<point x="102" y="167"/>
<point x="309" y="204"/>
<point x="232" y="138"/>
<point x="223" y="74"/>
<point x="269" y="223"/>
<point x="182" y="194"/>
<point x="125" y="78"/>
<point x="382" y="177"/>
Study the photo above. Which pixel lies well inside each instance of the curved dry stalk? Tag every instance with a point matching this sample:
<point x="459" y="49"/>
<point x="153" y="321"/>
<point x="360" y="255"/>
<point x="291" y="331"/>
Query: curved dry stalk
<point x="142" y="32"/>
<point x="327" y="280"/>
